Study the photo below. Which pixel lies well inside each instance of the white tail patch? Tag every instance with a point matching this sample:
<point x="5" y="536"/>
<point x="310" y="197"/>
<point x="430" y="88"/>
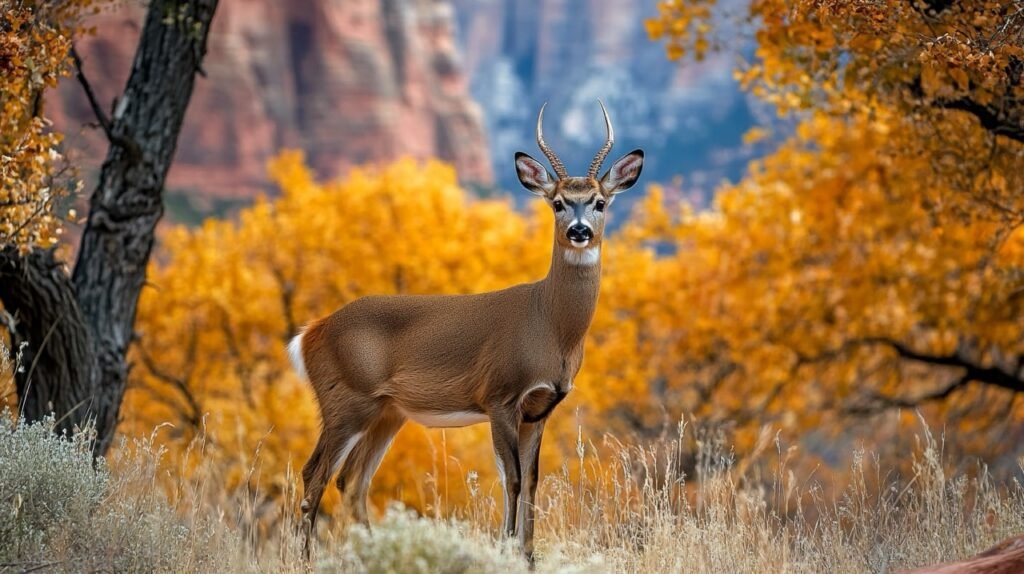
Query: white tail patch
<point x="589" y="256"/>
<point x="295" y="354"/>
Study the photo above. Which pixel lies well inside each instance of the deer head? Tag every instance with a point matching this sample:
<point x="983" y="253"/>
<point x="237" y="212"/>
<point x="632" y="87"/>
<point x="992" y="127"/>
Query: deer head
<point x="580" y="203"/>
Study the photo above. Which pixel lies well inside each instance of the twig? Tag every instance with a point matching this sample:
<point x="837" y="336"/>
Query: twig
<point x="101" y="117"/>
<point x="129" y="145"/>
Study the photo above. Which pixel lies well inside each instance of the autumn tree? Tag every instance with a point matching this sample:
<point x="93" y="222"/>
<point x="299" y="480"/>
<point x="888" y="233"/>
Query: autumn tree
<point x="874" y="260"/>
<point x="78" y="327"/>
<point x="34" y="40"/>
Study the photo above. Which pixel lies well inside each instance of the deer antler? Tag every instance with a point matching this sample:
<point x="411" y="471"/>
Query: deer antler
<point x="602" y="153"/>
<point x="555" y="162"/>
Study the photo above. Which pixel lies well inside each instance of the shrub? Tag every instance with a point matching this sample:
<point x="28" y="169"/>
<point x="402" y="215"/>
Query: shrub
<point x="406" y="543"/>
<point x="61" y="510"/>
<point x="45" y="481"/>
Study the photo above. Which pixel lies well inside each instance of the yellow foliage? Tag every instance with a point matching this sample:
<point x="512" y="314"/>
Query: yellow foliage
<point x="874" y="259"/>
<point x="35" y="37"/>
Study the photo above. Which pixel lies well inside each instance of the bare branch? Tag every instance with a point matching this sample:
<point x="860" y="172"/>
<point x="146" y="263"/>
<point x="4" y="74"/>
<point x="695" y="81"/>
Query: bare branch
<point x="181" y="384"/>
<point x="972" y="371"/>
<point x="878" y="402"/>
<point x="101" y="117"/>
<point x="133" y="149"/>
<point x="287" y="302"/>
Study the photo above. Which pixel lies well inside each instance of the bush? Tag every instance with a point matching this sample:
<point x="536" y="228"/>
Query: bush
<point x="45" y="481"/>
<point x="61" y="511"/>
<point x="406" y="543"/>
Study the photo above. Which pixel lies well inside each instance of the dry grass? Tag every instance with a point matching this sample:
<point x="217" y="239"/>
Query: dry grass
<point x="634" y="512"/>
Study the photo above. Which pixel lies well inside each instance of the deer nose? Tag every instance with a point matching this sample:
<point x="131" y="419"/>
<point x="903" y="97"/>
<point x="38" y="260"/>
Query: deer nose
<point x="580" y="233"/>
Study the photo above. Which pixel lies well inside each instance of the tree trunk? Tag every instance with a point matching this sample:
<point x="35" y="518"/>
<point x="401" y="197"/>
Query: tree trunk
<point x="94" y="312"/>
<point x="57" y="369"/>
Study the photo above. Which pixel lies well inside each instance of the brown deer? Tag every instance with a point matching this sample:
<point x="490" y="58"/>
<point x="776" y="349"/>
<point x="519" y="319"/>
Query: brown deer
<point x="507" y="357"/>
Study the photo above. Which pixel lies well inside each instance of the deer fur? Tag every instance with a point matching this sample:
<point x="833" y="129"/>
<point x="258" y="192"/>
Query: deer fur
<point x="506" y="357"/>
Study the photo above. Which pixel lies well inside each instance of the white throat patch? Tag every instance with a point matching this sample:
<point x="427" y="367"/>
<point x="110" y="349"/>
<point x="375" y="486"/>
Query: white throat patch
<point x="589" y="256"/>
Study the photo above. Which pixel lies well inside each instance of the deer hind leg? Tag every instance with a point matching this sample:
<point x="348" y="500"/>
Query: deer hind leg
<point x="505" y="434"/>
<point x="346" y="420"/>
<point x="362" y="464"/>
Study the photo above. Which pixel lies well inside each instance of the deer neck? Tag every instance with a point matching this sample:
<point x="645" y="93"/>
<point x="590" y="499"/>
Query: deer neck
<point x="569" y="292"/>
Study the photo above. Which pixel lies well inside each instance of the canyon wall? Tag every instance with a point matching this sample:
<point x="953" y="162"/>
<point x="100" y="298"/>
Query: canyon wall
<point x="688" y="116"/>
<point x="350" y="82"/>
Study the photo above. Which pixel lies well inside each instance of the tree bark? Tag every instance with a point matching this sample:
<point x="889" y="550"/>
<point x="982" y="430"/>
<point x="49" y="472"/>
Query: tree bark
<point x="92" y="313"/>
<point x="128" y="202"/>
<point x="57" y="370"/>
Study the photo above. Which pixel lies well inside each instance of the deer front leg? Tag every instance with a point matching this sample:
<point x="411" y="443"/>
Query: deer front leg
<point x="505" y="434"/>
<point x="530" y="435"/>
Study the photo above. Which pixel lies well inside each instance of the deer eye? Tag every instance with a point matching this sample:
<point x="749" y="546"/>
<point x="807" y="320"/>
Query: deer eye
<point x="558" y="205"/>
<point x="600" y="205"/>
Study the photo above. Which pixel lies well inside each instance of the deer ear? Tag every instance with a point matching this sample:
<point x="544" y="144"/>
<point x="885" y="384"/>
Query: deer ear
<point x="623" y="173"/>
<point x="533" y="176"/>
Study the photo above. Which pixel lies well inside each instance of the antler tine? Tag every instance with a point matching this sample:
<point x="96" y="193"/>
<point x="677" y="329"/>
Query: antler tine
<point x="602" y="153"/>
<point x="555" y="162"/>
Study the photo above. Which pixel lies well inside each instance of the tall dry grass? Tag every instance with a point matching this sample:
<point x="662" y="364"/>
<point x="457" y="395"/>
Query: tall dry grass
<point x="635" y="511"/>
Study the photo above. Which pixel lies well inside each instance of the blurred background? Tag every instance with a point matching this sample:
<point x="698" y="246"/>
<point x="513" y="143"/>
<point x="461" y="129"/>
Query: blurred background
<point x="369" y="81"/>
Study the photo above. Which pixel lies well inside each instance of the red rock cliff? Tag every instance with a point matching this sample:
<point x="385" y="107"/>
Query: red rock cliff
<point x="348" y="81"/>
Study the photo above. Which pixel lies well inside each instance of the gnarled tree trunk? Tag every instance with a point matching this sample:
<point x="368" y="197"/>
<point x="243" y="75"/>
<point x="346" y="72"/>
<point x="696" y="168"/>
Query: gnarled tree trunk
<point x="80" y="371"/>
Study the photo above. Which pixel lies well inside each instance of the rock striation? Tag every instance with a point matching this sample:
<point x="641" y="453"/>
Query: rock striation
<point x="688" y="116"/>
<point x="350" y="82"/>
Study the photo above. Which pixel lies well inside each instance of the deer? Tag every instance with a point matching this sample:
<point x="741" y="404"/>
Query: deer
<point x="506" y="357"/>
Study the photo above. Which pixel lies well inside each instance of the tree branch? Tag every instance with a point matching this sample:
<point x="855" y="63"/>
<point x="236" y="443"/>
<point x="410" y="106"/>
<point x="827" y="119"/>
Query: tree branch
<point x="990" y="117"/>
<point x="972" y="371"/>
<point x="130" y="145"/>
<point x="194" y="416"/>
<point x="878" y="402"/>
<point x="101" y="117"/>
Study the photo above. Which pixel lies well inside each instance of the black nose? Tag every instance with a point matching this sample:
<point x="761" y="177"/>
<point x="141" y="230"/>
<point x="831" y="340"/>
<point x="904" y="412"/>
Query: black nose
<point x="580" y="233"/>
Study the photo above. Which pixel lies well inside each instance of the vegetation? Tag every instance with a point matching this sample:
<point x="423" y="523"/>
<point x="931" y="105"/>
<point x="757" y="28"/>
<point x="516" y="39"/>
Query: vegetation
<point x="638" y="513"/>
<point x="874" y="260"/>
<point x="35" y="38"/>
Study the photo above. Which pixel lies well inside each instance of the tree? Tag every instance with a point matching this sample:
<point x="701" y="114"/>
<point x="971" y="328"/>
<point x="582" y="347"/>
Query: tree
<point x="79" y="327"/>
<point x="875" y="259"/>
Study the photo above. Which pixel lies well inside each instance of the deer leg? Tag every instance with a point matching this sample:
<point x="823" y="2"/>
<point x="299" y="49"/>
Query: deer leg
<point x="530" y="435"/>
<point x="339" y="437"/>
<point x="504" y="433"/>
<point x="358" y="471"/>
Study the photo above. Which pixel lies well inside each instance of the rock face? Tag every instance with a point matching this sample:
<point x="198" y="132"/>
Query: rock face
<point x="349" y="82"/>
<point x="689" y="117"/>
